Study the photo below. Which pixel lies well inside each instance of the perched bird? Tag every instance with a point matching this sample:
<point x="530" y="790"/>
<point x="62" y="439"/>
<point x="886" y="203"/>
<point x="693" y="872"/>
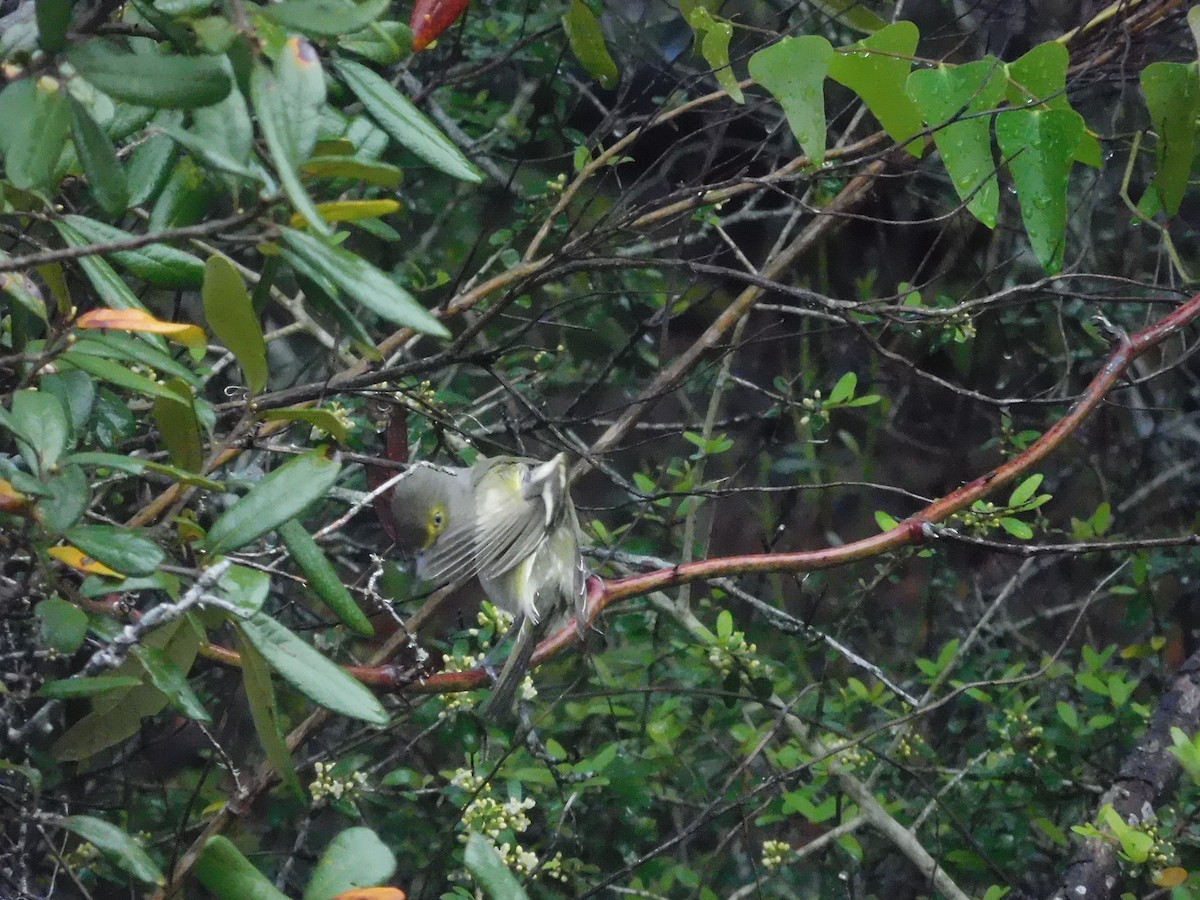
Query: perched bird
<point x="510" y="522"/>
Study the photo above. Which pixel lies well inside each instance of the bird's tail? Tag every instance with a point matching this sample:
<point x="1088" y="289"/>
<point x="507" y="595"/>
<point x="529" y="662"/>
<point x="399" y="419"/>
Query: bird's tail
<point x="499" y="703"/>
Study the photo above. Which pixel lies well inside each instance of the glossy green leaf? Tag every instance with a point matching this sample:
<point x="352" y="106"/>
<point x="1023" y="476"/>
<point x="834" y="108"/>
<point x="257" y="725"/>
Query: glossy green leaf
<point x="115" y="345"/>
<point x="794" y="71"/>
<point x="39" y="133"/>
<point x="280" y="496"/>
<point x="41" y="421"/>
<point x="115" y="373"/>
<point x="324" y="419"/>
<point x="713" y="35"/>
<point x="954" y="100"/>
<point x="226" y="128"/>
<point x="135" y="466"/>
<point x="230" y="316"/>
<point x="877" y="69"/>
<point x="264" y="712"/>
<point x="587" y="43"/>
<point x="152" y="79"/>
<point x="356" y="858"/>
<point x="159" y="264"/>
<point x="74" y="688"/>
<point x="310" y="672"/>
<point x="115" y="844"/>
<point x="61" y="625"/>
<point x="123" y="549"/>
<point x="110" y="287"/>
<point x="75" y="391"/>
<point x="851" y="12"/>
<point x="1040" y="148"/>
<point x="489" y="871"/>
<point x="53" y="20"/>
<point x="360" y="280"/>
<point x="353" y="168"/>
<point x="228" y="875"/>
<point x="1172" y="92"/>
<point x="168" y="678"/>
<point x="180" y="429"/>
<point x="1040" y="76"/>
<point x="405" y="123"/>
<point x="244" y="589"/>
<point x="96" y="153"/>
<point x="326" y="18"/>
<point x="269" y="101"/>
<point x="22" y="290"/>
<point x="323" y="578"/>
<point x="69" y="496"/>
<point x="210" y="149"/>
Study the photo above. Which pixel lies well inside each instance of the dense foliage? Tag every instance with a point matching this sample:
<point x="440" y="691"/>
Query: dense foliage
<point x="776" y="279"/>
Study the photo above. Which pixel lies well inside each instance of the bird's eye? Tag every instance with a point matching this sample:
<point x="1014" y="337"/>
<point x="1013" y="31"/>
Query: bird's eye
<point x="438" y="519"/>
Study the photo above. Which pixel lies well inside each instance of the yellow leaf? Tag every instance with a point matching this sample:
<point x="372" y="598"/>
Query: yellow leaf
<point x="1170" y="877"/>
<point x="349" y="211"/>
<point x="139" y="320"/>
<point x="76" y="559"/>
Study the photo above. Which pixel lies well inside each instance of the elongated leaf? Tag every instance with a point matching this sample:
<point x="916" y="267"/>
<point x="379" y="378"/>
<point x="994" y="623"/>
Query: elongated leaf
<point x="326" y="18"/>
<point x="713" y="36"/>
<point x="41" y="421"/>
<point x="53" y="20"/>
<point x="359" y="279"/>
<point x="115" y="345"/>
<point x="587" y="43"/>
<point x="356" y="858"/>
<point x="180" y="429"/>
<point x="151" y="161"/>
<point x="38" y="135"/>
<point x="152" y="79"/>
<point x="117" y="845"/>
<point x="489" y="871"/>
<point x="73" y="688"/>
<point x="794" y="70"/>
<point x="269" y="102"/>
<point x="405" y="123"/>
<point x="141" y="321"/>
<point x="23" y="290"/>
<point x="230" y="315"/>
<point x="309" y="672"/>
<point x="169" y="679"/>
<point x="430" y="18"/>
<point x="228" y="875"/>
<point x="81" y="562"/>
<point x="280" y="496"/>
<point x="1172" y="93"/>
<point x="322" y="577"/>
<point x="210" y="149"/>
<point x="260" y="696"/>
<point x="110" y="287"/>
<point x="323" y="419"/>
<point x="1041" y="76"/>
<point x="1040" y="147"/>
<point x="124" y="549"/>
<point x="159" y="264"/>
<point x="135" y="466"/>
<point x="877" y="69"/>
<point x="226" y="128"/>
<point x="962" y="94"/>
<point x="115" y="373"/>
<point x="100" y="164"/>
<point x="350" y="211"/>
<point x="353" y="168"/>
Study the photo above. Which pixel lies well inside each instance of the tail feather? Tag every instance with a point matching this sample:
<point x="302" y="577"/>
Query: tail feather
<point x="499" y="703"/>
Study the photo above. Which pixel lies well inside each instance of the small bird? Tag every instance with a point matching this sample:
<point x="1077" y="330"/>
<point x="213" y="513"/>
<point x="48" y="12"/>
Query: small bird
<point x="510" y="521"/>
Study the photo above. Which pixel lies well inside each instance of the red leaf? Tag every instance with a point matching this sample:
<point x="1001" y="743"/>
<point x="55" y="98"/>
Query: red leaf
<point x="431" y="17"/>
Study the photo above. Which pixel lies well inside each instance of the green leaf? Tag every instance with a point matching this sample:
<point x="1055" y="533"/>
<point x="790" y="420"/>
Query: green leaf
<point x="61" y="625"/>
<point x="135" y="466"/>
<point x="152" y="79"/>
<point x="405" y="123"/>
<point x="587" y="43"/>
<point x="311" y="673"/>
<point x="1040" y="148"/>
<point x="244" y="589"/>
<point x="22" y="289"/>
<point x="115" y="373"/>
<point x="159" y="264"/>
<point x="794" y="71"/>
<point x="280" y="496"/>
<point x="353" y="168"/>
<point x="225" y="128"/>
<point x="1025" y="490"/>
<point x="885" y="521"/>
<point x="1016" y="528"/>
<point x="172" y="681"/>
<point x="110" y="287"/>
<point x="53" y="20"/>
<point x="325" y="18"/>
<point x="270" y="102"/>
<point x="713" y="35"/>
<point x="324" y="419"/>
<point x="489" y="871"/>
<point x="1172" y="93"/>
<point x="39" y="133"/>
<point x="851" y="12"/>
<point x="123" y="549"/>
<point x="230" y="315"/>
<point x="229" y="876"/>
<point x="322" y="578"/>
<point x="963" y="93"/>
<point x="99" y="158"/>
<point x="260" y="697"/>
<point x="118" y="846"/>
<point x="879" y="77"/>
<point x="39" y="419"/>
<point x="844" y="389"/>
<point x="1041" y="76"/>
<point x="152" y="159"/>
<point x="179" y="427"/>
<point x="356" y="858"/>
<point x="69" y="497"/>
<point x="1067" y="713"/>
<point x="75" y="391"/>
<point x="75" y="688"/>
<point x="360" y="280"/>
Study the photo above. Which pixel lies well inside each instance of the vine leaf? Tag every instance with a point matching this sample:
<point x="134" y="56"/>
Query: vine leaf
<point x="1172" y="93"/>
<point x="1041" y="76"/>
<point x="953" y="101"/>
<point x="794" y="70"/>
<point x="713" y="35"/>
<point x="876" y="68"/>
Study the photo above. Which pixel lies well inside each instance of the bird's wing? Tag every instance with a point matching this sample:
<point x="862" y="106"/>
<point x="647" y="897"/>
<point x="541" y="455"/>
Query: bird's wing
<point x="508" y="527"/>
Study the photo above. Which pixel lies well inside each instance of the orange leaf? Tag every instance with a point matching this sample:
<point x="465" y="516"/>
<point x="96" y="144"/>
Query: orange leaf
<point x="431" y="17"/>
<point x="139" y="320"/>
<point x="12" y="500"/>
<point x="1172" y="876"/>
<point x="75" y="558"/>
<point x="375" y="893"/>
